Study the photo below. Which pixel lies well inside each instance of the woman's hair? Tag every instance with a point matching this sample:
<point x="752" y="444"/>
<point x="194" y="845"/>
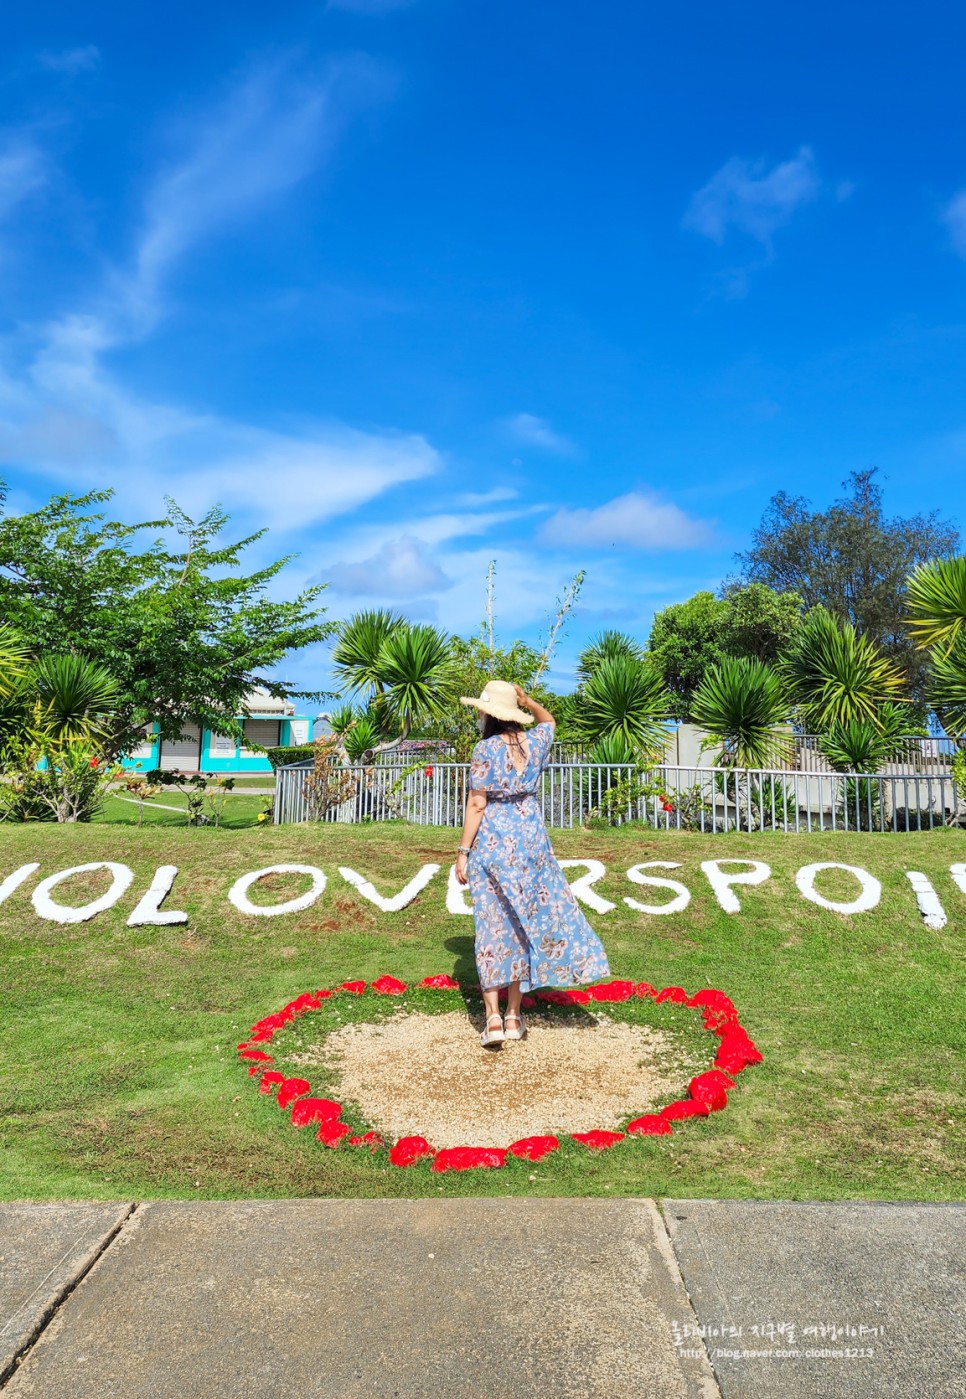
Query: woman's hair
<point x="493" y="726"/>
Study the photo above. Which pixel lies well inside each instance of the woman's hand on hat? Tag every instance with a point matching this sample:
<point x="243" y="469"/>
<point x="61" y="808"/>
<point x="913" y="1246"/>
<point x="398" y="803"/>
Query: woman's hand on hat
<point x="522" y="696"/>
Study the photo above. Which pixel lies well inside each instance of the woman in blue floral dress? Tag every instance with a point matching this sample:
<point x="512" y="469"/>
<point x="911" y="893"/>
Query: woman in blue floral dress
<point x="530" y="932"/>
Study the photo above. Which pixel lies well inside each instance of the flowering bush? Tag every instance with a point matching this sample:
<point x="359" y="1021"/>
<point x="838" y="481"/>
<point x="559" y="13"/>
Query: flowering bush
<point x="48" y="781"/>
<point x="707" y="1092"/>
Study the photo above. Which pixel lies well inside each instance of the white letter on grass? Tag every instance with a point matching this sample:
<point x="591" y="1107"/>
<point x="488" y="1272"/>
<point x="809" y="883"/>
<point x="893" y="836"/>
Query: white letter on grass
<point x="581" y="888"/>
<point x="396" y="901"/>
<point x="238" y="893"/>
<point x="933" y="913"/>
<point x="675" y="905"/>
<point x="721" y="882"/>
<point x="870" y="890"/>
<point x="15" y="879"/>
<point x="63" y="913"/>
<point x="456" y="895"/>
<point x="149" y="909"/>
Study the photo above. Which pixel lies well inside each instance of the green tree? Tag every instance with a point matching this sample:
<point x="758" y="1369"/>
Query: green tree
<point x="183" y="632"/>
<point x="936" y="603"/>
<point x="685" y="643"/>
<point x="852" y="560"/>
<point x="760" y="622"/>
<point x="625" y="699"/>
<point x="834" y="675"/>
<point x="740" y="704"/>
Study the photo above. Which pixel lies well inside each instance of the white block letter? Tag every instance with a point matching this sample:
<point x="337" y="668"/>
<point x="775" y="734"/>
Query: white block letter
<point x="870" y="890"/>
<point x="456" y="895"/>
<point x="238" y="893"/>
<point x="149" y="909"/>
<point x="933" y="913"/>
<point x="721" y="882"/>
<point x="63" y="913"/>
<point x="15" y="879"/>
<point x="581" y="888"/>
<point x="674" y="905"/>
<point x="958" y="873"/>
<point x="396" y="901"/>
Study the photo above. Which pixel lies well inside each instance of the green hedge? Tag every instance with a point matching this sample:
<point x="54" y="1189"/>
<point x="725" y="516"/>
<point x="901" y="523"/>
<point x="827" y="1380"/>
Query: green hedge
<point x="298" y="753"/>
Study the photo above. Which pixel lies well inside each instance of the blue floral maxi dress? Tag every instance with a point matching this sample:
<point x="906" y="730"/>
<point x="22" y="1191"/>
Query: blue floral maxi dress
<point x="528" y="925"/>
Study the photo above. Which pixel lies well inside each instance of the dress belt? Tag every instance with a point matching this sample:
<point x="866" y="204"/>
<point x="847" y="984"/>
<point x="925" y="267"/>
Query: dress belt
<point x="509" y="797"/>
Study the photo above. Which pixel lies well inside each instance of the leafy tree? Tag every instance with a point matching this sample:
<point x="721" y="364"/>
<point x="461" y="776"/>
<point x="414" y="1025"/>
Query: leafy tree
<point x="850" y="559"/>
<point x="184" y="634"/>
<point x="685" y="643"/>
<point x="834" y="674"/>
<point x="740" y="703"/>
<point x="474" y="663"/>
<point x="859" y="745"/>
<point x="760" y="623"/>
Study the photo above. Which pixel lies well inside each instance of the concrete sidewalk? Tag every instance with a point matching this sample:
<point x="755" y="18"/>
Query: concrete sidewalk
<point x="472" y="1298"/>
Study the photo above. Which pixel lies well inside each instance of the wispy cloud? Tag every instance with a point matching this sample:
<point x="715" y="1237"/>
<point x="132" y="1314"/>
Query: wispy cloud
<point x="23" y="169"/>
<point x="79" y="60"/>
<point x="537" y="432"/>
<point x="271" y="131"/>
<point x="402" y="568"/>
<point x="954" y="217"/>
<point x="638" y="520"/>
<point x="749" y="196"/>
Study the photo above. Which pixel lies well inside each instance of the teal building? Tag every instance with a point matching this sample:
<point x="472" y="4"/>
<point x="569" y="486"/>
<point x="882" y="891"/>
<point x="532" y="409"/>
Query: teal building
<point x="268" y="722"/>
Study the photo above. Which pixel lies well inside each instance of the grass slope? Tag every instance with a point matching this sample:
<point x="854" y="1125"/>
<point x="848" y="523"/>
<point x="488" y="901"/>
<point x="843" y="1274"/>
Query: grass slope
<point x="118" y="1073"/>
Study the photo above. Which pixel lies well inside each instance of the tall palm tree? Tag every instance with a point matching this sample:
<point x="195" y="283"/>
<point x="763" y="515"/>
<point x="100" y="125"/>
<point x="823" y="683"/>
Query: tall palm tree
<point x="625" y="698"/>
<point x="607" y="646"/>
<point x="833" y="674"/>
<point x="740" y="703"/>
<point x="936" y="606"/>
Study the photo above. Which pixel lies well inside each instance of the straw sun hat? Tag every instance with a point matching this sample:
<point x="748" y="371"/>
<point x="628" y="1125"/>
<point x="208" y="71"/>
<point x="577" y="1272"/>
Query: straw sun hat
<point x="499" y="698"/>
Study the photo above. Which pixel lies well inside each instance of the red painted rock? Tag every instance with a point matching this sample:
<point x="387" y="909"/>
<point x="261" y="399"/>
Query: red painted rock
<point x="330" y="1133"/>
<point x="291" y="1089"/>
<point x="686" y="1107"/>
<point x="533" y="1148"/>
<point x="440" y="983"/>
<point x="468" y="1158"/>
<point x="308" y="1110"/>
<point x="612" y="991"/>
<point x="388" y="986"/>
<point x="269" y="1080"/>
<point x="409" y="1149"/>
<point x="598" y="1140"/>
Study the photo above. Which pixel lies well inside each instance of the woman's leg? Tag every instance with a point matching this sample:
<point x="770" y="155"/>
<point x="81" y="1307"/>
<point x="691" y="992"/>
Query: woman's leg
<point x="513" y="998"/>
<point x="491" y="1001"/>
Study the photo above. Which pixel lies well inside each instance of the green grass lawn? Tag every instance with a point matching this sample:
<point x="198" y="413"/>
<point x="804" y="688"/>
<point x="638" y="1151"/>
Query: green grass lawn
<point x="239" y="810"/>
<point x="119" y="1077"/>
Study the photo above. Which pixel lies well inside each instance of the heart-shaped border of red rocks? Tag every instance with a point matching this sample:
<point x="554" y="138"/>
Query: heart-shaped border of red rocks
<point x="707" y="1092"/>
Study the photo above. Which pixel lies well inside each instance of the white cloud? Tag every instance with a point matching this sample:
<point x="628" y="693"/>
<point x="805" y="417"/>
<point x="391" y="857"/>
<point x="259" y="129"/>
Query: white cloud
<point x="79" y="60"/>
<point x="400" y="569"/>
<point x="537" y="432"/>
<point x="22" y="171"/>
<point x="498" y="493"/>
<point x="752" y="198"/>
<point x="638" y="520"/>
<point x="954" y="217"/>
<point x="272" y="131"/>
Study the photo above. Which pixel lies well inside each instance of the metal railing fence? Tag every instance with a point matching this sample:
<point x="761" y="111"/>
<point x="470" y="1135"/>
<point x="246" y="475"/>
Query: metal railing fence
<point x="668" y="797"/>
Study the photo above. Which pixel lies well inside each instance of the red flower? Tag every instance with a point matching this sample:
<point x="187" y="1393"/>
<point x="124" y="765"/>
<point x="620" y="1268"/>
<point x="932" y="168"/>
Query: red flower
<point x="269" y="1080"/>
<point x="330" y="1133"/>
<point x="292" y="1088"/>
<point x="308" y="1110"/>
<point x="372" y="1139"/>
<point x="440" y="983"/>
<point x="409" y="1149"/>
<point x="533" y="1148"/>
<point x="666" y="806"/>
<point x="468" y="1158"/>
<point x="93" y="762"/>
<point x="388" y="986"/>
<point x="652" y="1124"/>
<point x="355" y="988"/>
<point x="686" y="1107"/>
<point x="598" y="1141"/>
<point x="429" y="771"/>
<point x="711" y="1088"/>
<point x="612" y="991"/>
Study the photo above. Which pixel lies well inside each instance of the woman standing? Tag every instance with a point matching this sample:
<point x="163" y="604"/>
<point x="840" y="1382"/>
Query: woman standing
<point x="529" y="930"/>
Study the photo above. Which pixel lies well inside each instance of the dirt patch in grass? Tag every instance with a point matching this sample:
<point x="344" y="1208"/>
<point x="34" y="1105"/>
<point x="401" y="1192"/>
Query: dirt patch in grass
<point x="429" y="1075"/>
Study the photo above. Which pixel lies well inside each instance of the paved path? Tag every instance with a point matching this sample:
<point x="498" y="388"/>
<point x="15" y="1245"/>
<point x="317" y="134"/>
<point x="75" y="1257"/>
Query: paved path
<point x="467" y="1299"/>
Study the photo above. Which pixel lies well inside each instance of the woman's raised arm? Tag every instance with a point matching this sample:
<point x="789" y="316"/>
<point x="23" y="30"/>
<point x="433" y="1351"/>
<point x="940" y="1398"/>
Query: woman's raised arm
<point x="542" y="716"/>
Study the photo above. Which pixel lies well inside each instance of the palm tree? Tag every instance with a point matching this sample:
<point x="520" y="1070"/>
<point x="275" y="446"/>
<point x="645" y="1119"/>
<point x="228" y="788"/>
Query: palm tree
<point x="739" y="703"/>
<point x="936" y="604"/>
<point x="403" y="671"/>
<point x="863" y="746"/>
<point x="73" y="699"/>
<point x="625" y="698"/>
<point x="834" y="675"/>
<point x="607" y="646"/>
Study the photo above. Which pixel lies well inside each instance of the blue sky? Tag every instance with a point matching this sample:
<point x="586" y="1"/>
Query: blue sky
<point x="422" y="283"/>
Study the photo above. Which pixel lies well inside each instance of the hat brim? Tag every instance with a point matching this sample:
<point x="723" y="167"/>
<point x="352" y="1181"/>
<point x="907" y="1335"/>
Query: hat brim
<point x="498" y="711"/>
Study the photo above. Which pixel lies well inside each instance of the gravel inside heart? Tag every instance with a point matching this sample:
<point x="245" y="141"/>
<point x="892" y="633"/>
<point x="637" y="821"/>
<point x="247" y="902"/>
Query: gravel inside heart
<point x="427" y="1075"/>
